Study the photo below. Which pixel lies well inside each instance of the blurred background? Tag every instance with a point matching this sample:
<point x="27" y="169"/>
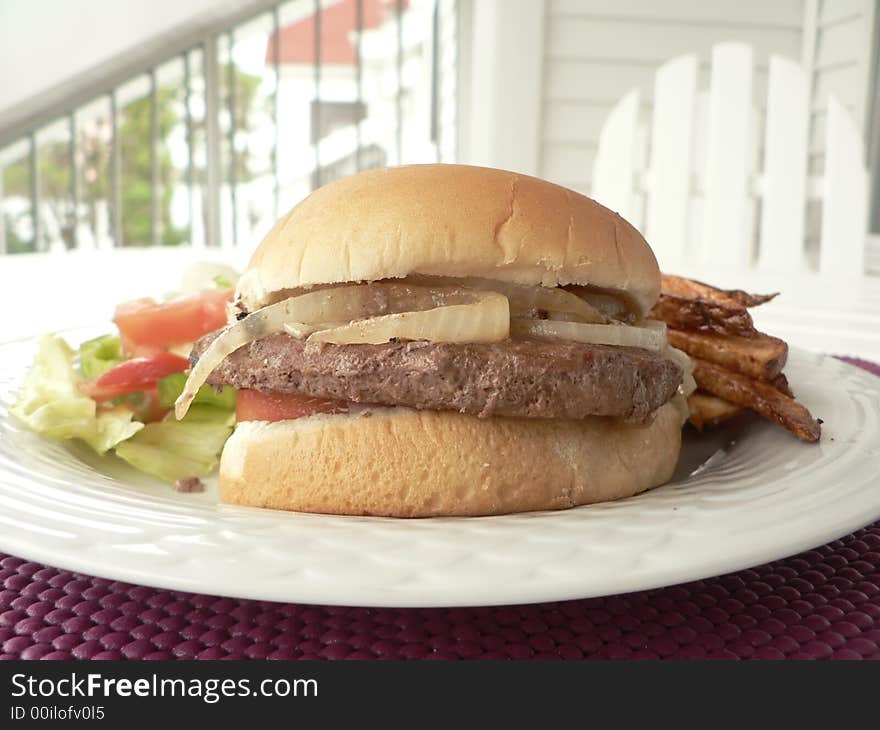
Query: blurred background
<point x="741" y="136"/>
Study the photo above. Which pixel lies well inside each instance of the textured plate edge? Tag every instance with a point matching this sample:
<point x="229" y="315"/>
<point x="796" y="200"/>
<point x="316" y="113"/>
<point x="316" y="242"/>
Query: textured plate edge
<point x="384" y="598"/>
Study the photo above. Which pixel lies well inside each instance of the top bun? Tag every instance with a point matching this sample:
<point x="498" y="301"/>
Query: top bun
<point x="451" y="220"/>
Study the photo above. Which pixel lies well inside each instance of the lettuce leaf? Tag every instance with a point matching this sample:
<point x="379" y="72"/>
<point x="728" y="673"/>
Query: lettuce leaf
<point x="171" y="387"/>
<point x="97" y="356"/>
<point x="51" y="403"/>
<point x="172" y="450"/>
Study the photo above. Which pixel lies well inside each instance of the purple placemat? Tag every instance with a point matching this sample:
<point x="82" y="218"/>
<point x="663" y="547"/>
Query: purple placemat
<point x="824" y="603"/>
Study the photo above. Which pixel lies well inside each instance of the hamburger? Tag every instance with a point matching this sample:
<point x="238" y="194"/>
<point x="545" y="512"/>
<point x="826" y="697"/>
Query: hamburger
<point x="445" y="340"/>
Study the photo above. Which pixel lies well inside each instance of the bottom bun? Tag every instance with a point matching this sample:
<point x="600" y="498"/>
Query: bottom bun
<point x="398" y="462"/>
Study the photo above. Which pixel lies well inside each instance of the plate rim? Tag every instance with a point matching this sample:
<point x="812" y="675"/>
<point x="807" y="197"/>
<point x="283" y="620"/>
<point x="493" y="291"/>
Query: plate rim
<point x="567" y="589"/>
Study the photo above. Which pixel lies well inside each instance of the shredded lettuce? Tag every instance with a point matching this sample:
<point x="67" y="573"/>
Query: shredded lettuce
<point x="171" y="387"/>
<point x="51" y="403"/>
<point x="97" y="356"/>
<point x="172" y="450"/>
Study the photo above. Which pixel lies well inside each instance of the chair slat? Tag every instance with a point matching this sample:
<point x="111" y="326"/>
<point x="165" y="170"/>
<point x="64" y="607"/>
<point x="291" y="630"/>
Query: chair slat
<point x="781" y="240"/>
<point x="669" y="174"/>
<point x="844" y="197"/>
<point x="702" y="199"/>
<point x="614" y="168"/>
<point x="725" y="240"/>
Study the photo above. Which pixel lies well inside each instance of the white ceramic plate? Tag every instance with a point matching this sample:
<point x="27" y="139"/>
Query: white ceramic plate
<point x="741" y="497"/>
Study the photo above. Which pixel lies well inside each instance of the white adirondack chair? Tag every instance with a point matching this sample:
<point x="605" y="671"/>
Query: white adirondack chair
<point x="694" y="181"/>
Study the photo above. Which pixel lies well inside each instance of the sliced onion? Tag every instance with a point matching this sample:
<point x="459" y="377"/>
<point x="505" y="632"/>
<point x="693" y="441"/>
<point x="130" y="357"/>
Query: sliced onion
<point x="608" y="304"/>
<point x="681" y="405"/>
<point x="688" y="384"/>
<point x="654" y="324"/>
<point x="649" y="338"/>
<point x="300" y="330"/>
<point x="323" y="308"/>
<point x="613" y="305"/>
<point x="356" y="301"/>
<point x="554" y="300"/>
<point x="525" y="298"/>
<point x="486" y="319"/>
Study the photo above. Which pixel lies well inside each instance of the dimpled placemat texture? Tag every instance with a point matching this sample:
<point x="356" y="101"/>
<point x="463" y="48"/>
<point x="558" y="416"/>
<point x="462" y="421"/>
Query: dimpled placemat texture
<point x="824" y="603"/>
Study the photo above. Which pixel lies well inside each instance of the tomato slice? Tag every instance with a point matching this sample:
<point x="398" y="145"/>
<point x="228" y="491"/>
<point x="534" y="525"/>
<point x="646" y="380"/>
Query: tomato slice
<point x="138" y="374"/>
<point x="145" y="323"/>
<point x="254" y="405"/>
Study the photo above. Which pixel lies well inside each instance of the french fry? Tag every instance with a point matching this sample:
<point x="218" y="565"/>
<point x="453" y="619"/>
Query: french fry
<point x="710" y="410"/>
<point x="735" y="366"/>
<point x="780" y="382"/>
<point x="760" y="356"/>
<point x="757" y="396"/>
<point x="678" y="286"/>
<point x="707" y="410"/>
<point x="703" y="315"/>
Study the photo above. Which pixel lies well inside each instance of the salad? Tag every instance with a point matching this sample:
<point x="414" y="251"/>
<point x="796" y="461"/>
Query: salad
<point x="116" y="392"/>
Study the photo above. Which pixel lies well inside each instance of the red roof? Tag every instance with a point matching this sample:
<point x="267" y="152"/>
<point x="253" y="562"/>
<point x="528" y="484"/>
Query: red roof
<point x="338" y="25"/>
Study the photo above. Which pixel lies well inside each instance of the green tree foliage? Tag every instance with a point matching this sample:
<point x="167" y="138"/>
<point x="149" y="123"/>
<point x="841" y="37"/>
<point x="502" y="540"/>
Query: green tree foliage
<point x="137" y="170"/>
<point x="246" y="106"/>
<point x="94" y="150"/>
<point x="14" y="242"/>
<point x="53" y="165"/>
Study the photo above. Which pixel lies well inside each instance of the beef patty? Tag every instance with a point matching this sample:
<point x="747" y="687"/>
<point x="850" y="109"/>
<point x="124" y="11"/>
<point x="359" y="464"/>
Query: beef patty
<point x="529" y="378"/>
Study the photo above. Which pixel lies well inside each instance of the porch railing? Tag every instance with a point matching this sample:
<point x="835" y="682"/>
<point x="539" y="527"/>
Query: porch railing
<point x="205" y="139"/>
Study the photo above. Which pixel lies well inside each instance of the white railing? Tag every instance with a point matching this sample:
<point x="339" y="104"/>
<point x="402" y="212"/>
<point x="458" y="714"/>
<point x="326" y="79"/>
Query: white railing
<point x="392" y="97"/>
